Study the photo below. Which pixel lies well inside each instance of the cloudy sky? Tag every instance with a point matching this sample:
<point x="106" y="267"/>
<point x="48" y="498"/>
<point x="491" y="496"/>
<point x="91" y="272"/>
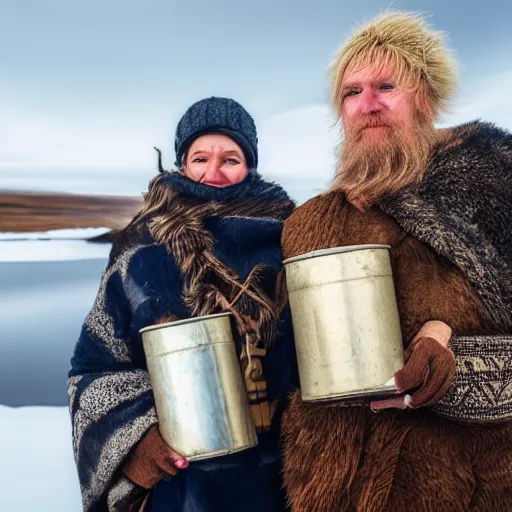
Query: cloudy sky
<point x="90" y="87"/>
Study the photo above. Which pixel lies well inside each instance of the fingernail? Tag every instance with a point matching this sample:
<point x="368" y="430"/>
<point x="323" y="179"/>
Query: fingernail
<point x="181" y="463"/>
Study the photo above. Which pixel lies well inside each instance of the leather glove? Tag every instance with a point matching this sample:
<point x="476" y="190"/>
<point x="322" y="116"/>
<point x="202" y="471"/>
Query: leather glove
<point x="429" y="370"/>
<point x="152" y="460"/>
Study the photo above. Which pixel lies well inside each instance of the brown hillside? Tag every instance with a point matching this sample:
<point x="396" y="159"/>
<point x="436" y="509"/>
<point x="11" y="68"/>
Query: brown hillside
<point x="41" y="211"/>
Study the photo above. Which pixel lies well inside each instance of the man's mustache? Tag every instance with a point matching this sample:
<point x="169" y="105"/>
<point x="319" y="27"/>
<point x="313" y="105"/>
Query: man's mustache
<point x="371" y="121"/>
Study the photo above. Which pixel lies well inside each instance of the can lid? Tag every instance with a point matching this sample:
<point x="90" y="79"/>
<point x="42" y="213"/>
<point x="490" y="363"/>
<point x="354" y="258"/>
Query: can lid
<point x="334" y="250"/>
<point x="155" y="327"/>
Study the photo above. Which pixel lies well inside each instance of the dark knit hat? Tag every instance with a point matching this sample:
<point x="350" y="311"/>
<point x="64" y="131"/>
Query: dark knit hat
<point x="217" y="115"/>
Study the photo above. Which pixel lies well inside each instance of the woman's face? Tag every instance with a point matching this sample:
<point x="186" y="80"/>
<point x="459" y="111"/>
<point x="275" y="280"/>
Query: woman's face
<point x="215" y="160"/>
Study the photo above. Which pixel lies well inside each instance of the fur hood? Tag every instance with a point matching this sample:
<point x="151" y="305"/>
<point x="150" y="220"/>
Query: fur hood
<point x="463" y="210"/>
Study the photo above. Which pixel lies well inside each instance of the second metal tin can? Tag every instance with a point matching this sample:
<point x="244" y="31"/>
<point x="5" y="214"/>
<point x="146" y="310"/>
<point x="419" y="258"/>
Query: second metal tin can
<point x="345" y="322"/>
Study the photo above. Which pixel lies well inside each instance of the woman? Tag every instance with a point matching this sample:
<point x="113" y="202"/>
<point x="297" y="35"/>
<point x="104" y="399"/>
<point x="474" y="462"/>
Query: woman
<point x="207" y="240"/>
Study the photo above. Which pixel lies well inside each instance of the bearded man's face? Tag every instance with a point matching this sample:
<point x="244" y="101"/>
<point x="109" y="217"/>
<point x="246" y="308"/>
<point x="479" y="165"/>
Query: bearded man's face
<point x="375" y="107"/>
<point x="387" y="140"/>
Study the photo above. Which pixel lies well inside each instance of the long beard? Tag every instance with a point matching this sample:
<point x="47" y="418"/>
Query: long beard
<point x="369" y="168"/>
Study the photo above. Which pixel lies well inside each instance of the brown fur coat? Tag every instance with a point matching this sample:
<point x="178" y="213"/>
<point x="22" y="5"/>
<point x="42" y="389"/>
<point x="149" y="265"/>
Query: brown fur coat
<point x="351" y="459"/>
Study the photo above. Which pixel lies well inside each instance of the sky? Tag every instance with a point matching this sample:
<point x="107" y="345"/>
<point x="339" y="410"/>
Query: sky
<point x="88" y="88"/>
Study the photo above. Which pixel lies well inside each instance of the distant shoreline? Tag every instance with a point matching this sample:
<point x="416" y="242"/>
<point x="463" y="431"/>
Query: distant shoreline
<point x="25" y="211"/>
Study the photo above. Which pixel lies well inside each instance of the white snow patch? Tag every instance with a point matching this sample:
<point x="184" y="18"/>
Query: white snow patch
<point x="51" y="250"/>
<point x="54" y="234"/>
<point x="38" y="468"/>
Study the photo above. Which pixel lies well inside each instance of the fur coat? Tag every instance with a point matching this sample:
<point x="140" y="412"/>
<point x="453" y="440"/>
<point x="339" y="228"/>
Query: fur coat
<point x="198" y="244"/>
<point x="451" y="249"/>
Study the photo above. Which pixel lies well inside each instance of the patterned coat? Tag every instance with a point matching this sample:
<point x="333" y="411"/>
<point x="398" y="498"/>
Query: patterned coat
<point x="147" y="279"/>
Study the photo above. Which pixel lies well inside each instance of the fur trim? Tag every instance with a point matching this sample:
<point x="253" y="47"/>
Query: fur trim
<point x="253" y="187"/>
<point x="463" y="210"/>
<point x="350" y="459"/>
<point x="254" y="197"/>
<point x="209" y="285"/>
<point x="406" y="41"/>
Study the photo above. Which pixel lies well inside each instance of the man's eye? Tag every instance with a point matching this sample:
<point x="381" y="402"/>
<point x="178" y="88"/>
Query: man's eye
<point x="386" y="86"/>
<point x="199" y="159"/>
<point x="352" y="92"/>
<point x="232" y="161"/>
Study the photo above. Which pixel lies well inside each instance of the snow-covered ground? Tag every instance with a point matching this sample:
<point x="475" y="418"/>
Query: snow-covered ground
<point x="48" y="282"/>
<point x="38" y="470"/>
<point x="51" y="250"/>
<point x="54" y="245"/>
<point x="55" y="234"/>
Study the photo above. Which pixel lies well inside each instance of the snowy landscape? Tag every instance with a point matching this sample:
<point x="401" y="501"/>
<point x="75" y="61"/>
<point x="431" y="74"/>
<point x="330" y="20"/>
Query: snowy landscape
<point x="86" y="93"/>
<point x="49" y="281"/>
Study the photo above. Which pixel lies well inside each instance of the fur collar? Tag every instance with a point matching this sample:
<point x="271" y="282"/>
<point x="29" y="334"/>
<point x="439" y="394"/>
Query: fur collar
<point x="253" y="187"/>
<point x="463" y="210"/>
<point x="174" y="213"/>
<point x="172" y="197"/>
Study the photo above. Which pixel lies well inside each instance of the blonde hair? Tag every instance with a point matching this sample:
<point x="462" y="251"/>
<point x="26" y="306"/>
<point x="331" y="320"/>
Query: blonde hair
<point x="405" y="41"/>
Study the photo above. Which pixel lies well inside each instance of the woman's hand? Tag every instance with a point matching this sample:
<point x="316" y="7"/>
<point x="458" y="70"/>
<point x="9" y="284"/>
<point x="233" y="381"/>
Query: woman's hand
<point x="152" y="460"/>
<point x="429" y="369"/>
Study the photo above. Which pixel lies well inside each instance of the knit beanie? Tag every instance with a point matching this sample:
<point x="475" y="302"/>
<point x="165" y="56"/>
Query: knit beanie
<point x="217" y="115"/>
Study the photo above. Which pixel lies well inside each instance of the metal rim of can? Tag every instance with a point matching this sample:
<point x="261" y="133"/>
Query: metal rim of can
<point x="334" y="250"/>
<point x="222" y="452"/>
<point x="387" y="391"/>
<point x="155" y="327"/>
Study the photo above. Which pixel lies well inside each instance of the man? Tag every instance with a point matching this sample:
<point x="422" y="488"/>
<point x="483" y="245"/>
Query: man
<point x="442" y="199"/>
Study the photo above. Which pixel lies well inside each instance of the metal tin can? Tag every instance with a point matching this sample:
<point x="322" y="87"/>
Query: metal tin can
<point x="345" y="321"/>
<point x="200" y="397"/>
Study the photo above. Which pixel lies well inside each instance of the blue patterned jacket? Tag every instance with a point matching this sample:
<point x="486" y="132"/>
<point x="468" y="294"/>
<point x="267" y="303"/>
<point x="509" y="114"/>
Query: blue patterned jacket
<point x="111" y="400"/>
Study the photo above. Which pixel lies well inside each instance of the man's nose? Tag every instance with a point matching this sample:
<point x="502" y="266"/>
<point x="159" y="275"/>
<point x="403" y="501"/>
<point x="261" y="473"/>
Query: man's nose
<point x="370" y="102"/>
